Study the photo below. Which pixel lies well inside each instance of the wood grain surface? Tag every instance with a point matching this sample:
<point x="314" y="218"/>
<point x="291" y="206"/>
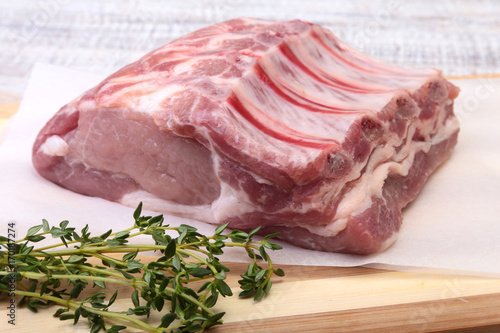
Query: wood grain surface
<point x="328" y="299"/>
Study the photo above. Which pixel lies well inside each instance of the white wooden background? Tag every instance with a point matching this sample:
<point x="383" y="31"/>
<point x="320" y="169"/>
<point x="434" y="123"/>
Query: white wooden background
<point x="460" y="37"/>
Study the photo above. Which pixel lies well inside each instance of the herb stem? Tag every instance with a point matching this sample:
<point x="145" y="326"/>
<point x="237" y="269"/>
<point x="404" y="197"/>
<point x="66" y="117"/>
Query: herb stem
<point x="32" y="275"/>
<point x="71" y="304"/>
<point x="100" y="249"/>
<point x="191" y="254"/>
<point x="107" y="258"/>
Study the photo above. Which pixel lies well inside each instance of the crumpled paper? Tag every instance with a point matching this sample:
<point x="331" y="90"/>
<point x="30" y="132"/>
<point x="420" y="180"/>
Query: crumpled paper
<point x="453" y="226"/>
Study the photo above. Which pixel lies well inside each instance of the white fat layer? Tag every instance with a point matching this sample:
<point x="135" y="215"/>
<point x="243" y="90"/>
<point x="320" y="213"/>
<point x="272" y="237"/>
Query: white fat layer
<point x="154" y="203"/>
<point x="330" y="229"/>
<point x="186" y="66"/>
<point x="231" y="202"/>
<point x="384" y="161"/>
<point x="153" y="102"/>
<point x="54" y="146"/>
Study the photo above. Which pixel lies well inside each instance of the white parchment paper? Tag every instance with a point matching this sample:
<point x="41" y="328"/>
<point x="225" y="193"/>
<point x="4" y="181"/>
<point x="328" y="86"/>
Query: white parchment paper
<point x="453" y="226"/>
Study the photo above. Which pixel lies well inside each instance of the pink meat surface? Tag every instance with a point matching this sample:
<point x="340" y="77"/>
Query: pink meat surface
<point x="278" y="124"/>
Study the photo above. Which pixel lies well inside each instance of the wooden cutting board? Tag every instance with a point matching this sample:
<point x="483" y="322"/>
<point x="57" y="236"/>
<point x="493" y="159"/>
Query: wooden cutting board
<point x="7" y="111"/>
<point x="328" y="299"/>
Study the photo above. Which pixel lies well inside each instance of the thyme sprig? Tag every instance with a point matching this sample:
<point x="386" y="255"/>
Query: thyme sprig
<point x="49" y="275"/>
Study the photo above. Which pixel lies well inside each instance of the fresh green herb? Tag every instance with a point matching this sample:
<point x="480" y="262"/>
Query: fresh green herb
<point x="51" y="276"/>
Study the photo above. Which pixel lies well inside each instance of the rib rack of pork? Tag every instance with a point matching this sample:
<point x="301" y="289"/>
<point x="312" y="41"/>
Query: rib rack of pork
<point x="256" y="122"/>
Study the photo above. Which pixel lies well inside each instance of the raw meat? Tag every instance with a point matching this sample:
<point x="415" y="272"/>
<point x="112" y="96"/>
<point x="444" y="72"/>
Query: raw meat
<point x="278" y="124"/>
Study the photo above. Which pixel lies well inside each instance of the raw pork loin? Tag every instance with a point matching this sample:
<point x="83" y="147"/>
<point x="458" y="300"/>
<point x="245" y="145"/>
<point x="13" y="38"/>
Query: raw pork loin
<point x="257" y="122"/>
